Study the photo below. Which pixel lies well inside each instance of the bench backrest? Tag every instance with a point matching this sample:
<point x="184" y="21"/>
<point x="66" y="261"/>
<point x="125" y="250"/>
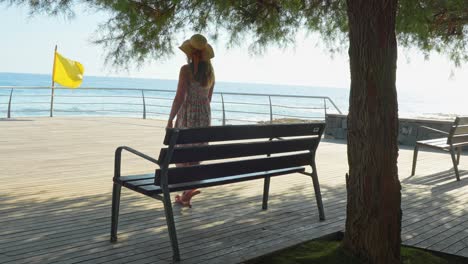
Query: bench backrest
<point x="459" y="132"/>
<point x="297" y="147"/>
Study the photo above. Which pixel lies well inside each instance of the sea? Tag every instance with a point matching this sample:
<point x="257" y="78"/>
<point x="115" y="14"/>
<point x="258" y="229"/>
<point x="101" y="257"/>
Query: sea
<point x="235" y="103"/>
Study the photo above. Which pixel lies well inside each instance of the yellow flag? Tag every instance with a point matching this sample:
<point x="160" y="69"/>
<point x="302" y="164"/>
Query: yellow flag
<point x="67" y="73"/>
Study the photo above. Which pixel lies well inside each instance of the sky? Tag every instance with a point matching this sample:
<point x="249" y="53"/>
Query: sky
<point x="27" y="45"/>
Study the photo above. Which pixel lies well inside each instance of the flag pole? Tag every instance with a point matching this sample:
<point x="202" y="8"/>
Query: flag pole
<point x="53" y="84"/>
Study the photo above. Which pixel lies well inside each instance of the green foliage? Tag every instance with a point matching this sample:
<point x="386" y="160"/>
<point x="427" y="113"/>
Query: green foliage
<point x="140" y="30"/>
<point x="331" y="252"/>
<point x="435" y="25"/>
<point x="49" y="7"/>
<point x="318" y="252"/>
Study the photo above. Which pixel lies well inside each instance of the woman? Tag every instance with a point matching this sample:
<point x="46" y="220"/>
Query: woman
<point x="192" y="101"/>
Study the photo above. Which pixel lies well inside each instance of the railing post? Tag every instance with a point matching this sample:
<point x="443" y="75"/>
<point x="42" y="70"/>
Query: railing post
<point x="325" y="107"/>
<point x="334" y="105"/>
<point x="9" y="104"/>
<point x="52" y="102"/>
<point x="271" y="110"/>
<point x="144" y="104"/>
<point x="224" y="113"/>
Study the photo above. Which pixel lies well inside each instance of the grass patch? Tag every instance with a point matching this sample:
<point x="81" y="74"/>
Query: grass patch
<point x="331" y="252"/>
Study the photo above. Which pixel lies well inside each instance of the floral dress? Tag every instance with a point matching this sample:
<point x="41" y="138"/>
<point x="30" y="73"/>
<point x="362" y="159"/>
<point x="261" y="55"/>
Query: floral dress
<point x="195" y="110"/>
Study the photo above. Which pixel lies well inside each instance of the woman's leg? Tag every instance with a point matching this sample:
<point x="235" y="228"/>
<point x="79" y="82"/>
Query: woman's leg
<point x="185" y="198"/>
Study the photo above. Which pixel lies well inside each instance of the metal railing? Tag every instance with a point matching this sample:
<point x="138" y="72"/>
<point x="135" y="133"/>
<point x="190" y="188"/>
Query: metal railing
<point x="226" y="107"/>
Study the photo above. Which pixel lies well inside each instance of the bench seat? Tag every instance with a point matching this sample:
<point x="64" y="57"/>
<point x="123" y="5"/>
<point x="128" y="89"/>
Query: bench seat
<point x="437" y="143"/>
<point x="144" y="184"/>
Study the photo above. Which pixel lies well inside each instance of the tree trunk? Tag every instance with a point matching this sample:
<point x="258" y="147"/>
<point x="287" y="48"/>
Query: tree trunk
<point x="373" y="222"/>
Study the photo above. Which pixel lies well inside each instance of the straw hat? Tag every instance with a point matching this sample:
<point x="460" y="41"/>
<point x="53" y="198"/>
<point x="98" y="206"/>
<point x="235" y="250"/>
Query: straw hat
<point x="198" y="43"/>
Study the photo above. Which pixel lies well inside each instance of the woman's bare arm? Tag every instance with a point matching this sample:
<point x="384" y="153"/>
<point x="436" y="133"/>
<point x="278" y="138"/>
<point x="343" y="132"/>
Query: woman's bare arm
<point x="180" y="94"/>
<point x="210" y="94"/>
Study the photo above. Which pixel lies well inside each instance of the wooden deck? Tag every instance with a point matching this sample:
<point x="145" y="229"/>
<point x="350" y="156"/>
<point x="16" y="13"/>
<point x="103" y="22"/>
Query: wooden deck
<point x="55" y="194"/>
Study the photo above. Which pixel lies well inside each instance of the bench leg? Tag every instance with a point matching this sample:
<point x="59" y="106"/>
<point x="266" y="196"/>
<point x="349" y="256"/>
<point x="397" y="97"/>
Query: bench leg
<point x="266" y="189"/>
<point x="171" y="226"/>
<point x="415" y="158"/>
<point x="455" y="166"/>
<point x="115" y="211"/>
<point x="458" y="155"/>
<point x="318" y="195"/>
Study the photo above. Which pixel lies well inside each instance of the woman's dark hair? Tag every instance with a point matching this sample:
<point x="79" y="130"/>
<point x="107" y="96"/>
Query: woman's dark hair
<point x="205" y="72"/>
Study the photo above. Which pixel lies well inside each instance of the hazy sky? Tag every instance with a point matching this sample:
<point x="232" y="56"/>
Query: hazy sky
<point x="27" y="46"/>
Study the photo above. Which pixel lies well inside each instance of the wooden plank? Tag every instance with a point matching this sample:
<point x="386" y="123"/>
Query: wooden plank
<point x="462" y="120"/>
<point x="226" y="151"/>
<point x="223" y="169"/>
<point x="243" y="132"/>
<point x="138" y="177"/>
<point x="458" y="139"/>
<point x="231" y="216"/>
<point x="435" y="141"/>
<point x="438" y="143"/>
<point x="460" y="130"/>
<point x="431" y="229"/>
<point x="412" y="199"/>
<point x="150" y="189"/>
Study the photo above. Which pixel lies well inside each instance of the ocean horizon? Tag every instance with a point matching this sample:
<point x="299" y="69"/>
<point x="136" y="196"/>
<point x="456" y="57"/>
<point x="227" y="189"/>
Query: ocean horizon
<point x="411" y="105"/>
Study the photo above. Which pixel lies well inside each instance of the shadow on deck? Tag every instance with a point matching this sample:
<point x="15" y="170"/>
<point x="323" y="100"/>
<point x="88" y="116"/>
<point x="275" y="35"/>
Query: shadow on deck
<point x="56" y="198"/>
<point x="224" y="223"/>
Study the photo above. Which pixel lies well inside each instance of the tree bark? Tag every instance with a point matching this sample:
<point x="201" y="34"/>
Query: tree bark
<point x="373" y="222"/>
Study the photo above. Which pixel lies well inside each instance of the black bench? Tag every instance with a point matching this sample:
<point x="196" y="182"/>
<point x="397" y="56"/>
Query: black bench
<point x="288" y="149"/>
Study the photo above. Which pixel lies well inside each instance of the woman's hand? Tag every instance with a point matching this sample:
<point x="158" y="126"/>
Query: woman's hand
<point x="169" y="124"/>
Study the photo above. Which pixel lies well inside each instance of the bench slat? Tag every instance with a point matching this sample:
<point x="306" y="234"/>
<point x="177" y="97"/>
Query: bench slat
<point x="135" y="177"/>
<point x="226" y="151"/>
<point x="204" y="172"/>
<point x="459" y="139"/>
<point x="149" y="181"/>
<point x="460" y="130"/>
<point x="435" y="140"/>
<point x="241" y="132"/>
<point x="438" y="143"/>
<point x="462" y="120"/>
<point x="154" y="189"/>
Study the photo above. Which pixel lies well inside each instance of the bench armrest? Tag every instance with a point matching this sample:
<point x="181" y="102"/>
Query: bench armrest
<point x="118" y="158"/>
<point x="431" y="129"/>
<point x="435" y="130"/>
